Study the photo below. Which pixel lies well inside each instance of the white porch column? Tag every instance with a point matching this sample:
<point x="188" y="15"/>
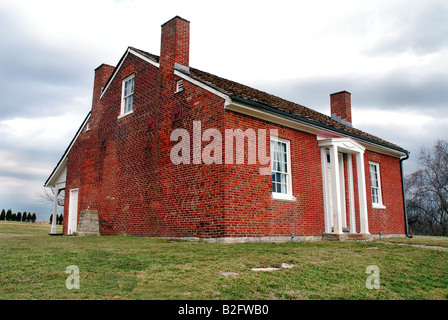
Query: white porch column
<point x="327" y="213"/>
<point x="335" y="188"/>
<point x="363" y="219"/>
<point x="342" y="188"/>
<point x="55" y="211"/>
<point x="351" y="194"/>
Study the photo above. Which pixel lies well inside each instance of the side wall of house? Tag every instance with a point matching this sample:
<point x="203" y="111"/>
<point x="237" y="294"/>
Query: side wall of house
<point x="122" y="167"/>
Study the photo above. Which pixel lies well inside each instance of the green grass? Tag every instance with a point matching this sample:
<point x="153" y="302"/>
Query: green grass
<point x="33" y="264"/>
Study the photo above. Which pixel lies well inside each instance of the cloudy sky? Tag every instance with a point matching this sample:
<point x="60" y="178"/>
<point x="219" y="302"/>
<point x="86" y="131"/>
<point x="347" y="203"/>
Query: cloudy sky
<point x="391" y="55"/>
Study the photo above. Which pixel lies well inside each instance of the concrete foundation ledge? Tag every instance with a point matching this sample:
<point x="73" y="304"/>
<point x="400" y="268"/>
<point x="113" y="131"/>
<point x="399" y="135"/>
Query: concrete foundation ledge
<point x="264" y="239"/>
<point x="347" y="236"/>
<point x="385" y="236"/>
<point x="230" y="240"/>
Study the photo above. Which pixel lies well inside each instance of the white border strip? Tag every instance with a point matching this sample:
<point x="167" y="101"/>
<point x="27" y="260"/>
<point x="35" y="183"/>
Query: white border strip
<point x="137" y="54"/>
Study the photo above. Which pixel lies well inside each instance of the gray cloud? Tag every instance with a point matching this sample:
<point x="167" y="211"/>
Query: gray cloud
<point x="38" y="79"/>
<point x="412" y="27"/>
<point x="394" y="90"/>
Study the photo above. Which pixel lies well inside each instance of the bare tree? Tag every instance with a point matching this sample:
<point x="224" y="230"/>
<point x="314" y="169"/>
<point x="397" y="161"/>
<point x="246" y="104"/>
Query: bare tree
<point x="427" y="192"/>
<point x="47" y="196"/>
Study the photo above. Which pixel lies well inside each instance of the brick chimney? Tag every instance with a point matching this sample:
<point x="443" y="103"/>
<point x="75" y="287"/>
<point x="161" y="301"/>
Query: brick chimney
<point x="175" y="45"/>
<point x="102" y="74"/>
<point x="341" y="107"/>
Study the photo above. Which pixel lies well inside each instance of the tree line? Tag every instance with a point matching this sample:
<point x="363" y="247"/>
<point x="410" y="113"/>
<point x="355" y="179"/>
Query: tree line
<point x="8" y="215"/>
<point x="59" y="218"/>
<point x="427" y="192"/>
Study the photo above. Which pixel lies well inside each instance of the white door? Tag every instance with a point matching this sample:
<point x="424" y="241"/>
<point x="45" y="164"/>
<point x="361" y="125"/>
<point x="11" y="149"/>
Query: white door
<point x="73" y="212"/>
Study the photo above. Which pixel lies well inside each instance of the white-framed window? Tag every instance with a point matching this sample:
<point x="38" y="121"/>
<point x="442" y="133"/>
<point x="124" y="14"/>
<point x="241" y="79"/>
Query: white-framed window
<point x="127" y="96"/>
<point x="375" y="184"/>
<point x="281" y="169"/>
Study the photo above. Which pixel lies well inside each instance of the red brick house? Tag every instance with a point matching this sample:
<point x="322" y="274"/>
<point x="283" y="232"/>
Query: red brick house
<point x="325" y="178"/>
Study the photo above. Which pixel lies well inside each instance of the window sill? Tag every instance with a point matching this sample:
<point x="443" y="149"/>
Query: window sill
<point x="125" y="114"/>
<point x="378" y="206"/>
<point x="283" y="197"/>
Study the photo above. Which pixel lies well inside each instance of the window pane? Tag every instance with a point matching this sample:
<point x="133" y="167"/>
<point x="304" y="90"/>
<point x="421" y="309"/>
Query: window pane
<point x="283" y="178"/>
<point x="375" y="195"/>
<point x="372" y="175"/>
<point x="128" y="98"/>
<point x="280" y="188"/>
<point x="128" y="104"/>
<point x="279" y="158"/>
<point x="374" y="182"/>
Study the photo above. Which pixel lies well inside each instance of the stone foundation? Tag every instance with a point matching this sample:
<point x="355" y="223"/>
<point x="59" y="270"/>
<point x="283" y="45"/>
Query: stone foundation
<point x="346" y="236"/>
<point x="88" y="223"/>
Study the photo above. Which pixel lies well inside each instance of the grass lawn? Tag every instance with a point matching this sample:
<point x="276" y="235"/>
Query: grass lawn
<point x="33" y="266"/>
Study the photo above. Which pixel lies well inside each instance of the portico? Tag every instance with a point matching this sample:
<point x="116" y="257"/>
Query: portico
<point x="340" y="217"/>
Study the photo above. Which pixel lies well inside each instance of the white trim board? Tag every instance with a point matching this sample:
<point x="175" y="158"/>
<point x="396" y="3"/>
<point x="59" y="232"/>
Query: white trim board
<point x="137" y="54"/>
